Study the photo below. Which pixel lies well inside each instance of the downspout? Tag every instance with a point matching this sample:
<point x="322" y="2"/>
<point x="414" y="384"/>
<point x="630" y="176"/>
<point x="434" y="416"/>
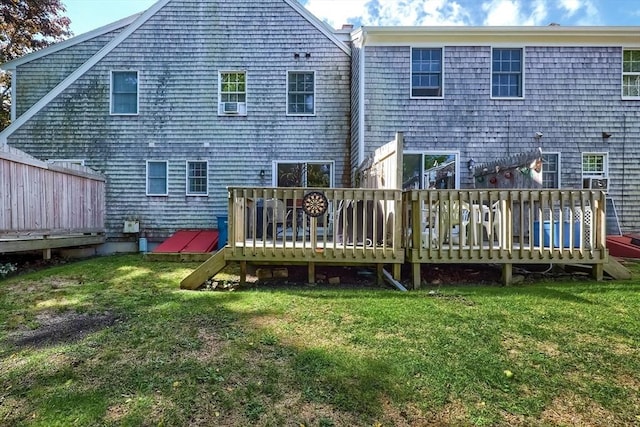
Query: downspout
<point x="361" y="111"/>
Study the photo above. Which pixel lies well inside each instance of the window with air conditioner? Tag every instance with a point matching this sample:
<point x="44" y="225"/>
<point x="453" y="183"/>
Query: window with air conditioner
<point x="232" y="95"/>
<point x="595" y="171"/>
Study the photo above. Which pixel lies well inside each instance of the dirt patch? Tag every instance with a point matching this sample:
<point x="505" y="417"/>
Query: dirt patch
<point x="61" y="327"/>
<point x="571" y="409"/>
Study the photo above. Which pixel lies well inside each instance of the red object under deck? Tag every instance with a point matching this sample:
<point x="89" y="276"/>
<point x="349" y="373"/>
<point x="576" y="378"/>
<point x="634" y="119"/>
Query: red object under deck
<point x="621" y="246"/>
<point x="189" y="241"/>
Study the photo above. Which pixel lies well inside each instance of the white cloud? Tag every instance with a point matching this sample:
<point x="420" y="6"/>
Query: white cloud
<point x="571" y="6"/>
<point x="389" y="12"/>
<point x="511" y="12"/>
<point x="336" y="13"/>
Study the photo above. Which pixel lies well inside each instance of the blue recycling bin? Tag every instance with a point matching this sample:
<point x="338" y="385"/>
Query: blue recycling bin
<point x="566" y="236"/>
<point x="223" y="230"/>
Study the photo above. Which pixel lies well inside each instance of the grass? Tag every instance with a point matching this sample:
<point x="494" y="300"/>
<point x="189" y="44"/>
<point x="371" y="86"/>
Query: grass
<point x="113" y="341"/>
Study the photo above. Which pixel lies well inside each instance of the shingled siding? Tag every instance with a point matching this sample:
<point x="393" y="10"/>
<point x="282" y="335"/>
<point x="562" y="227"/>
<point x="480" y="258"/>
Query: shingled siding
<point x="36" y="78"/>
<point x="572" y="95"/>
<point x="178" y="54"/>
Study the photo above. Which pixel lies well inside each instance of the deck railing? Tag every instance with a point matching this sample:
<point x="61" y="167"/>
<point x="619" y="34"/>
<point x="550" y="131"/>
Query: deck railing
<point x="505" y="226"/>
<point x="272" y="224"/>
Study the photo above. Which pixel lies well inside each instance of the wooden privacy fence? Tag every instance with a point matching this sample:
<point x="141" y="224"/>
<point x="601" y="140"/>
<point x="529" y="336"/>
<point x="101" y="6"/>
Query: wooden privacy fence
<point x="37" y="198"/>
<point x="505" y="227"/>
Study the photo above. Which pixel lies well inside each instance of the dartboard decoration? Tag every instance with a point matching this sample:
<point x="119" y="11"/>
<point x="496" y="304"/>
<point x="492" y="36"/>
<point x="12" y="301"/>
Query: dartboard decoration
<point x="315" y="204"/>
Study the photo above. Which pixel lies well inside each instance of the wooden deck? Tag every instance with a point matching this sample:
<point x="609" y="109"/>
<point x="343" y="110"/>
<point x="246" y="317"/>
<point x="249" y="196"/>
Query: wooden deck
<point x="505" y="227"/>
<point x="45" y="206"/>
<point x="388" y="227"/>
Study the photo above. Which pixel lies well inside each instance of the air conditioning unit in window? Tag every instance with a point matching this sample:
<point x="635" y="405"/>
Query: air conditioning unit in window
<point x="230" y="107"/>
<point x="596" y="184"/>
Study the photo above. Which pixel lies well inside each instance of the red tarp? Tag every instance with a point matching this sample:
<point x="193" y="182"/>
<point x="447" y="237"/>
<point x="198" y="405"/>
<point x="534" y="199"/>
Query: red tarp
<point x="192" y="241"/>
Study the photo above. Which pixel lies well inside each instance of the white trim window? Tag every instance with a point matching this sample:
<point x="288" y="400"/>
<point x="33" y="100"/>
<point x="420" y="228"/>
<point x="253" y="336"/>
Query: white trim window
<point x="595" y="171"/>
<point x="317" y="174"/>
<point x="426" y="72"/>
<point x="631" y="74"/>
<point x="232" y="93"/>
<point x="157" y="177"/>
<point x="197" y="174"/>
<point x="301" y="93"/>
<point x="124" y="93"/>
<point x="507" y="73"/>
<point x="551" y="170"/>
<point x="431" y="169"/>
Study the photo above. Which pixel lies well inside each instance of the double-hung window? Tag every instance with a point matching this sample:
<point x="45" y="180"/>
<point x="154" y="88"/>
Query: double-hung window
<point x="124" y="92"/>
<point x="631" y="74"/>
<point x="197" y="178"/>
<point x="595" y="171"/>
<point x="157" y="178"/>
<point x="550" y="170"/>
<point x="233" y="93"/>
<point x="426" y="72"/>
<point x="301" y="93"/>
<point x="507" y="73"/>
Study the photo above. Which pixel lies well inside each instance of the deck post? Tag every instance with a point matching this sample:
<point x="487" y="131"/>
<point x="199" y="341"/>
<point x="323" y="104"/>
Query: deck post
<point x="311" y="273"/>
<point x="243" y="272"/>
<point x="597" y="271"/>
<point x="379" y="277"/>
<point x="397" y="271"/>
<point x="415" y="269"/>
<point x="507" y="274"/>
<point x="46" y="254"/>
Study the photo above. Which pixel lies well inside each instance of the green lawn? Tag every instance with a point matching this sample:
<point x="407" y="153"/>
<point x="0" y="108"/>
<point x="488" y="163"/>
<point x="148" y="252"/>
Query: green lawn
<point x="114" y="341"/>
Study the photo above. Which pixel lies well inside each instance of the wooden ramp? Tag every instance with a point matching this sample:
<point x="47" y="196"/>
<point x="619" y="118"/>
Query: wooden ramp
<point x="204" y="272"/>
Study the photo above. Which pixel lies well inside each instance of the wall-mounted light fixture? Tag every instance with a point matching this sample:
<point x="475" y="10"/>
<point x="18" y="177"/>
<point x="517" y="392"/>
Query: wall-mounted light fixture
<point x="471" y="163"/>
<point x="261" y="173"/>
<point x="538" y="135"/>
<point x="606" y="135"/>
<point x="296" y="55"/>
<point x="307" y="55"/>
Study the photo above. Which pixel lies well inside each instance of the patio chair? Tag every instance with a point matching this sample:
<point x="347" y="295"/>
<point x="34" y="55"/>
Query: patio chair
<point x="492" y="222"/>
<point x="279" y="218"/>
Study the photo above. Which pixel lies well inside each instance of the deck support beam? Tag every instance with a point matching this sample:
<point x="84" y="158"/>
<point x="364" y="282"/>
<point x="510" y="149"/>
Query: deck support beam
<point x="597" y="271"/>
<point x="507" y="274"/>
<point x="243" y="273"/>
<point x="379" y="274"/>
<point x="415" y="273"/>
<point x="397" y="271"/>
<point x="311" y="273"/>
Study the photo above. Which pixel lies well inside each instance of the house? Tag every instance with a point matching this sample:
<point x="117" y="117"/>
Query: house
<point x="471" y="95"/>
<point x="177" y="103"/>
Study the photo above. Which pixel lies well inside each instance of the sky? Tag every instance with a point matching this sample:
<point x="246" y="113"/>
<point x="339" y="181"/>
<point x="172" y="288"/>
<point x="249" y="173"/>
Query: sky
<point x="87" y="15"/>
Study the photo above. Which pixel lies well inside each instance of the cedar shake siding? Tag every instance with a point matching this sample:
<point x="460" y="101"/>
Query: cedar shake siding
<point x="178" y="54"/>
<point x="572" y="94"/>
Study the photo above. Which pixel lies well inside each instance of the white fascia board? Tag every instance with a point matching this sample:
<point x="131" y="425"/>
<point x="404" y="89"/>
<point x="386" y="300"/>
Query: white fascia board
<point x="552" y="35"/>
<point x="323" y="27"/>
<point x="11" y="65"/>
<point x="81" y="71"/>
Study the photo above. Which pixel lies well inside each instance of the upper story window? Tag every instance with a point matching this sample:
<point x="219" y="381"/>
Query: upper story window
<point x="157" y="178"/>
<point x="550" y="170"/>
<point x="631" y="74"/>
<point x="426" y="72"/>
<point x="197" y="173"/>
<point x="507" y="73"/>
<point x="233" y="93"/>
<point x="301" y="89"/>
<point x="124" y="92"/>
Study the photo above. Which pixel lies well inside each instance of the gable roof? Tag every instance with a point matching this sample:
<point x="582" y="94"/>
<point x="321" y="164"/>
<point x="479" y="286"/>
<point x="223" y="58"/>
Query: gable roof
<point x="136" y="22"/>
<point x="11" y="65"/>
